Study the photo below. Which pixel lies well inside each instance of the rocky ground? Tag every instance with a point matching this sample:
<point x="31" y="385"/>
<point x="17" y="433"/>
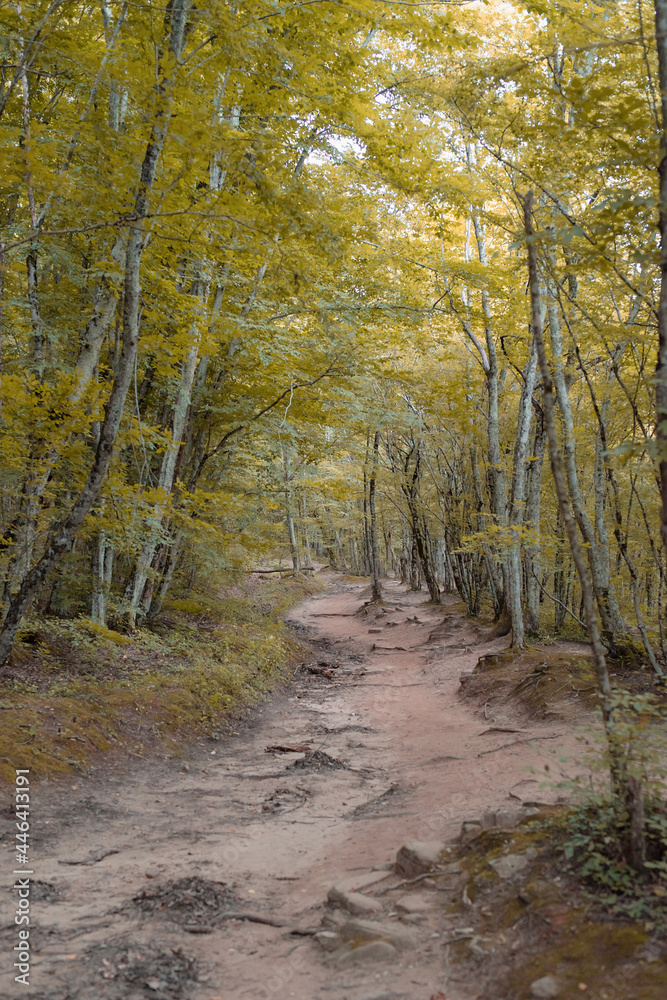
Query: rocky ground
<point x="309" y="854"/>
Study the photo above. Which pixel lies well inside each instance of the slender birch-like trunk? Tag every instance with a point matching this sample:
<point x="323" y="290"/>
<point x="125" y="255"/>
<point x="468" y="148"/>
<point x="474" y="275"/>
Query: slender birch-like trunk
<point x="63" y="533"/>
<point x="517" y="507"/>
<point x="612" y="622"/>
<point x="583" y="572"/>
<point x="289" y="515"/>
<point x="376" y="586"/>
<point x="167" y="473"/>
<point x="661" y="368"/>
<point x="532" y="520"/>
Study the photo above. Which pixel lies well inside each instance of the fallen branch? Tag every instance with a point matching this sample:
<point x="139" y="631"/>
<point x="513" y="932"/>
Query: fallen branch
<point x="287" y="569"/>
<point x="255" y="918"/>
<point x="93" y="859"/>
<point x="529" y="739"/>
<point x="556" y="600"/>
<point x="414" y="881"/>
<point x="288" y="748"/>
<point x="500" y="729"/>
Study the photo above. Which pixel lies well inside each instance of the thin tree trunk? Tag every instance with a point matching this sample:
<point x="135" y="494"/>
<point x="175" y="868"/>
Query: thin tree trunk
<point x="376" y="586"/>
<point x="289" y="516"/>
<point x="581" y="564"/>
<point x="517" y="508"/>
<point x="661" y="368"/>
<point x="171" y="561"/>
<point x="612" y="622"/>
<point x="424" y="548"/>
<point x="98" y="611"/>
<point x="167" y="472"/>
<point x="532" y="548"/>
<point x="63" y="534"/>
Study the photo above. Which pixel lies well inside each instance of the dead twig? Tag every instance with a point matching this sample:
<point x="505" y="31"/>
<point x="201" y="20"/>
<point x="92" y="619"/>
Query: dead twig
<point x="500" y="729"/>
<point x="415" y="880"/>
<point x="93" y="859"/>
<point x="529" y="739"/>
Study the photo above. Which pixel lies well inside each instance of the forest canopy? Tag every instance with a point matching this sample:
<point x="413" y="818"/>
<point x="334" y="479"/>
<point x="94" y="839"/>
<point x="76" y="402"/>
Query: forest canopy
<point x="379" y="284"/>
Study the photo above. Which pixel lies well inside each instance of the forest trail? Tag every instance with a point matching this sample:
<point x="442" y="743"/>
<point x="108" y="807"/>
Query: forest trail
<point x="281" y="829"/>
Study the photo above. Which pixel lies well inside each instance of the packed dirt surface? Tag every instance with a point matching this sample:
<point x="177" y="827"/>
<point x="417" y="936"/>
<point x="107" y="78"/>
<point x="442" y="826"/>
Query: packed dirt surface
<point x="182" y="878"/>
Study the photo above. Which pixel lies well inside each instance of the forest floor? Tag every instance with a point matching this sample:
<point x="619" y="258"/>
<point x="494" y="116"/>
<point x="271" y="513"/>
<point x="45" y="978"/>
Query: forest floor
<point x="207" y="876"/>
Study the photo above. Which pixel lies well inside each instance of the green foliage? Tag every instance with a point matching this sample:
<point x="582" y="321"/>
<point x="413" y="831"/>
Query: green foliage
<point x="332" y="246"/>
<point x="95" y="689"/>
<point x="595" y="835"/>
<point x="594" y="839"/>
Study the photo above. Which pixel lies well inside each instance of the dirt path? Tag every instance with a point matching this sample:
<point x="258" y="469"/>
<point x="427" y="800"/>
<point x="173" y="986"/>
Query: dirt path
<point x="280" y="829"/>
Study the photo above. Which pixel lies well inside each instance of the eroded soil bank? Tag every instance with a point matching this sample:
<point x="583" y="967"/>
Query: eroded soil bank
<point x="395" y="755"/>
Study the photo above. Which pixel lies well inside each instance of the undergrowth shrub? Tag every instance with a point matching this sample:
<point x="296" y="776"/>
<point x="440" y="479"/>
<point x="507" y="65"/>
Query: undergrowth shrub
<point x="615" y="841"/>
<point x="80" y="687"/>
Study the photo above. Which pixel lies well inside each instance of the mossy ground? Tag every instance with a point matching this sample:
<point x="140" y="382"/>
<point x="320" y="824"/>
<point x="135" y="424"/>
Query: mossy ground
<point x="543" y="923"/>
<point x="73" y="690"/>
<point x="551" y="682"/>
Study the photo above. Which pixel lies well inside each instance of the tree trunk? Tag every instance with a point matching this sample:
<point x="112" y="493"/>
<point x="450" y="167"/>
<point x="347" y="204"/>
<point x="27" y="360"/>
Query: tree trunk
<point x="62" y="535"/>
<point x="612" y="622"/>
<point x="289" y="516"/>
<point x="517" y="506"/>
<point x="170" y="563"/>
<point x="376" y="586"/>
<point x="661" y="368"/>
<point x="532" y="548"/>
<point x="167" y="473"/>
<point x="98" y="609"/>
<point x="602" y="674"/>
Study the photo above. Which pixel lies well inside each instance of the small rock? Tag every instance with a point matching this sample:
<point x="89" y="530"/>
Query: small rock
<point x="504" y="819"/>
<point x="329" y="940"/>
<point x="470" y="828"/>
<point x="507" y="819"/>
<point x="375" y="631"/>
<point x="488" y="820"/>
<point x="418" y="857"/>
<point x="529" y="811"/>
<point x="398" y="936"/>
<point x="334" y="919"/>
<point x="545" y="988"/>
<point x="509" y="865"/>
<point x="374" y="951"/>
<point x="414" y="902"/>
<point x="354" y="902"/>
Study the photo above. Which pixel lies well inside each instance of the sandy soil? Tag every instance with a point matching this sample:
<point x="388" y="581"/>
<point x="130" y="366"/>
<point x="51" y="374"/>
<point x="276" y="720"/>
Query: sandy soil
<point x="278" y="835"/>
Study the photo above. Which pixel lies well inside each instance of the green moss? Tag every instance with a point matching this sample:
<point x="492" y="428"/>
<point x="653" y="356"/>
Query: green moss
<point x="554" y="928"/>
<point x="591" y="954"/>
<point x="204" y="659"/>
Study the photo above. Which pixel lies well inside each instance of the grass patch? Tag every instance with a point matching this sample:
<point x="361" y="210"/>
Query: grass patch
<point x="73" y="689"/>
